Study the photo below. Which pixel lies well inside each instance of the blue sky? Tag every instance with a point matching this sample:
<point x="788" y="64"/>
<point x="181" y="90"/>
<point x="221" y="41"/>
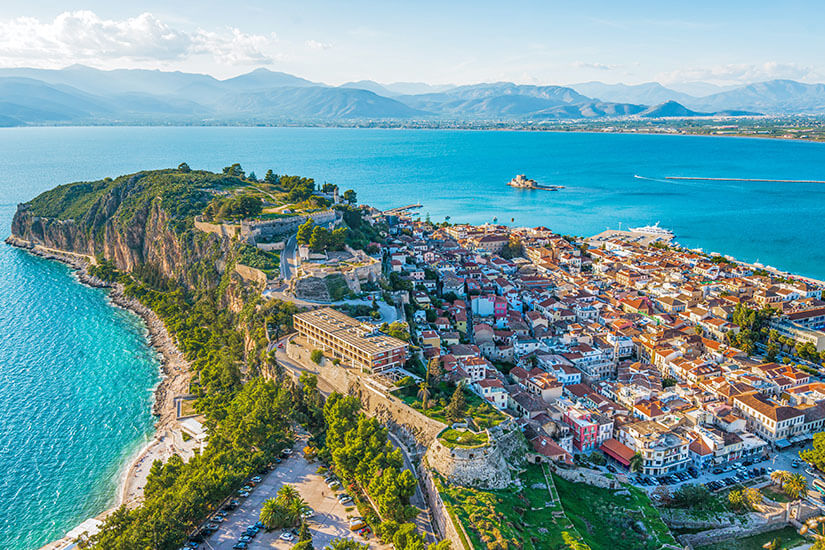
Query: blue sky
<point x="724" y="42"/>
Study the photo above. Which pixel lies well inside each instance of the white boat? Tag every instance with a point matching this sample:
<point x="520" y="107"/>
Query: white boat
<point x="652" y="230"/>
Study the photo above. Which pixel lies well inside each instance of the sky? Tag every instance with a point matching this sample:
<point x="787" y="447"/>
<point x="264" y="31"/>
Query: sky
<point x="724" y="42"/>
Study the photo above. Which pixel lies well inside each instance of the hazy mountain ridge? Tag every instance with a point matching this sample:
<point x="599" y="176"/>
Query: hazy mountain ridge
<point x="83" y="95"/>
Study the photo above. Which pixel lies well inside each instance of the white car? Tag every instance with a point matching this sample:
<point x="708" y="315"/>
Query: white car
<point x="308" y="513"/>
<point x="287" y="536"/>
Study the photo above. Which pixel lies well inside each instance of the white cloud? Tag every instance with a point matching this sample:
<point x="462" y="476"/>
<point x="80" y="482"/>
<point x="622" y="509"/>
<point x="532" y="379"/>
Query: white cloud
<point x="742" y="73"/>
<point x="597" y="66"/>
<point x="315" y="45"/>
<point x="82" y="36"/>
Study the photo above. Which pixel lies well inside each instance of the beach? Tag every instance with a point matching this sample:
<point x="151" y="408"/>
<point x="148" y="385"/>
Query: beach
<point x="175" y="376"/>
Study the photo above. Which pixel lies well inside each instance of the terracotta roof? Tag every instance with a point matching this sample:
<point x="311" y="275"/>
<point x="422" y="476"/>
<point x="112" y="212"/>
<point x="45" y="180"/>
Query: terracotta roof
<point x="618" y="450"/>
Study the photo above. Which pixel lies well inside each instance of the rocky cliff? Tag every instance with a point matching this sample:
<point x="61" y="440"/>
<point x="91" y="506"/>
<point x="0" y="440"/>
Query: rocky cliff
<point x="127" y="223"/>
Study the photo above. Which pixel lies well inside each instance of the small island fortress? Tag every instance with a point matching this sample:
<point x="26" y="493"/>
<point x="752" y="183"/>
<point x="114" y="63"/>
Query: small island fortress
<point x="523" y="182"/>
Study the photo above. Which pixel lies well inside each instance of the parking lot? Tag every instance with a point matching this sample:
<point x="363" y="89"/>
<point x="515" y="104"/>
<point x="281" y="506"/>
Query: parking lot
<point x="330" y="519"/>
<point x="737" y="472"/>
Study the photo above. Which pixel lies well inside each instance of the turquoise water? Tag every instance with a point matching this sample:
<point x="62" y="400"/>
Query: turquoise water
<point x="76" y="373"/>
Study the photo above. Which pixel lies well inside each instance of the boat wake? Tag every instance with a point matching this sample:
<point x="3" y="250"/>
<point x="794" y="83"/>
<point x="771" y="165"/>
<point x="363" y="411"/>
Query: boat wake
<point x="638" y="177"/>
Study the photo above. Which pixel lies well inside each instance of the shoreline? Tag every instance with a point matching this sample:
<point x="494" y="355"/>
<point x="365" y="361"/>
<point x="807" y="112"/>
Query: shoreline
<point x="174" y="381"/>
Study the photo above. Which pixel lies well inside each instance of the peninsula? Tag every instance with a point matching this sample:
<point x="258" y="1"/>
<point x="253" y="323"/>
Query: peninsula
<point x="470" y="386"/>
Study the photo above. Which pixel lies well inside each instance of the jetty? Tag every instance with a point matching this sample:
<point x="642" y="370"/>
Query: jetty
<point x="523" y="182"/>
<point x="761" y="180"/>
<point x="402" y="209"/>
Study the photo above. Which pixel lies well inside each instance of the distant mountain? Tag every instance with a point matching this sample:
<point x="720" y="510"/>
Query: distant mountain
<point x="33" y="101"/>
<point x="370" y="85"/>
<point x="649" y="93"/>
<point x="503" y="100"/>
<point x="773" y="97"/>
<point x="415" y="88"/>
<point x="677" y="110"/>
<point x="99" y="82"/>
<point x="83" y="95"/>
<point x="264" y="79"/>
<point x="314" y="103"/>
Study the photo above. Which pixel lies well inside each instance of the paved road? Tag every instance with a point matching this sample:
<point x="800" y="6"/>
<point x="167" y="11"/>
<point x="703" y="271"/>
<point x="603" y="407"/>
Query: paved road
<point x="389" y="314"/>
<point x="423" y="520"/>
<point x="288" y="258"/>
<point x="329" y="522"/>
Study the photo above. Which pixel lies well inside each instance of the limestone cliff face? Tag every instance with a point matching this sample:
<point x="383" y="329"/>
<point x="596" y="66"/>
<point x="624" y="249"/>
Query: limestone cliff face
<point x="143" y="237"/>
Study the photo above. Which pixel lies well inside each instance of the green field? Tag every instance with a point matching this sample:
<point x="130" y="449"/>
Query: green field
<point x="787" y="536"/>
<point x="463" y="438"/>
<point x="530" y="518"/>
<point x="608" y="521"/>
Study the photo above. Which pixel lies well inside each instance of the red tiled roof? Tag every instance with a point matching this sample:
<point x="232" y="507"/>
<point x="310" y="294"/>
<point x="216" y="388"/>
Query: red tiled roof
<point x="618" y="451"/>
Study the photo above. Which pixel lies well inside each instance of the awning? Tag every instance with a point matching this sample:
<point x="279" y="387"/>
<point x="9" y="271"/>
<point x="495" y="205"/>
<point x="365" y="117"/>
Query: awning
<point x="618" y="451"/>
<point x="782" y="443"/>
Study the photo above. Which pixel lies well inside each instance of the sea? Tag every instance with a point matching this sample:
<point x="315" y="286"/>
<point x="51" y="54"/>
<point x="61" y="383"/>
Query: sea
<point x="76" y="373"/>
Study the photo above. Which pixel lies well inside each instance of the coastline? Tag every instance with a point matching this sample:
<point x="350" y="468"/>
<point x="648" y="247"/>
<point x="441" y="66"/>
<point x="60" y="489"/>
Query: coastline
<point x="174" y="381"/>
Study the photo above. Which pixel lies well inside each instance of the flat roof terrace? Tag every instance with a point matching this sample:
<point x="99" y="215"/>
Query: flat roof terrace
<point x="366" y="338"/>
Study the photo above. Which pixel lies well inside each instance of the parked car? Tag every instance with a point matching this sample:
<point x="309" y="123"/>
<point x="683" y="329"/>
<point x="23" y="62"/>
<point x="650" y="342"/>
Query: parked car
<point x="287" y="536"/>
<point x="240" y="546"/>
<point x="245" y="538"/>
<point x="356" y="523"/>
<point x="243" y="494"/>
<point x="256" y="479"/>
<point x="307" y="513"/>
<point x="610" y="468"/>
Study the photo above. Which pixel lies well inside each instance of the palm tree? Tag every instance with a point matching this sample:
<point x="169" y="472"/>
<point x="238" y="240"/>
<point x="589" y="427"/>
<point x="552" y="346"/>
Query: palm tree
<point x="779" y="477"/>
<point x="636" y="462"/>
<point x="287" y="495"/>
<point x="424" y="394"/>
<point x="273" y="514"/>
<point x="796" y="486"/>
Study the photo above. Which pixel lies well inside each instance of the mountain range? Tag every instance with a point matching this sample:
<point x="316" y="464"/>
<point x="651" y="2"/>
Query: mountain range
<point x="83" y="95"/>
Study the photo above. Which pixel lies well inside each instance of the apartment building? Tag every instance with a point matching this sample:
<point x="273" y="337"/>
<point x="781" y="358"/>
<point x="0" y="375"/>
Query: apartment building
<point x="359" y="344"/>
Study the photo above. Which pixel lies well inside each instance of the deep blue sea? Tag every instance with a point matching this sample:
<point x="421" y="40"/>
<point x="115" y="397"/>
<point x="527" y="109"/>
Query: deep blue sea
<point x="76" y="373"/>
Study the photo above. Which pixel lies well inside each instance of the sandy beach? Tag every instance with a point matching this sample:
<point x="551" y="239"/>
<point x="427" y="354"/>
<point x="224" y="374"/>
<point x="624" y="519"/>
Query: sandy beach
<point x="175" y="376"/>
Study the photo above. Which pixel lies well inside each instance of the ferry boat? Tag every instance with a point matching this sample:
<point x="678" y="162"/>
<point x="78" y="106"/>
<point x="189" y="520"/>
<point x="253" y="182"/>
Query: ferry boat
<point x="652" y="230"/>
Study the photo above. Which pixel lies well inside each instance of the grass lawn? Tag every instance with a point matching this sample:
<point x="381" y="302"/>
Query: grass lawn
<point x="482" y="413"/>
<point x="608" y="521"/>
<point x="776" y="494"/>
<point x="463" y="438"/>
<point x="788" y="538"/>
<point x="528" y="518"/>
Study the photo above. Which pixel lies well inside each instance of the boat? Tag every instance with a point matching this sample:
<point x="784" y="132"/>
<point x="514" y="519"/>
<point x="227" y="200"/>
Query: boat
<point x="652" y="230"/>
<point x="523" y="182"/>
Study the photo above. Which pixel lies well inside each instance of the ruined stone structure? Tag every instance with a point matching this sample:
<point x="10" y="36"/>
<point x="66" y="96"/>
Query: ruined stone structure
<point x="488" y="466"/>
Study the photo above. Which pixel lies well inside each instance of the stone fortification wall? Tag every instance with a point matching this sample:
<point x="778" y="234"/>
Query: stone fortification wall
<point x="585" y="475"/>
<point x="413" y="428"/>
<point x="251" y="274"/>
<point x="252" y="229"/>
<point x="222" y="229"/>
<point x="449" y="529"/>
<point x="487" y="466"/>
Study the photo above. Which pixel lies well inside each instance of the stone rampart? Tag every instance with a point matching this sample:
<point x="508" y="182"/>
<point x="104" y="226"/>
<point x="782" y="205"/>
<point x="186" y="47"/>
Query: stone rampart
<point x="413" y="428"/>
<point x="487" y="466"/>
<point x="251" y="274"/>
<point x="222" y="229"/>
<point x="449" y="529"/>
<point x="585" y="475"/>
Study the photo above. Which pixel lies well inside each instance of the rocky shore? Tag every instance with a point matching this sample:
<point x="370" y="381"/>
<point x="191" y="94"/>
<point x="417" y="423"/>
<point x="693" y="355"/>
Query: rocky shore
<point x="175" y="376"/>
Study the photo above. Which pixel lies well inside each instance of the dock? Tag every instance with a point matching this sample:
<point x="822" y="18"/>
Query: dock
<point x="403" y="209"/>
